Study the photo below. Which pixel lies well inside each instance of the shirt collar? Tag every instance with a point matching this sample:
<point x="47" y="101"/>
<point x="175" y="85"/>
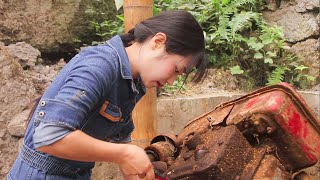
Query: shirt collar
<point x="117" y="44"/>
<point x="125" y="69"/>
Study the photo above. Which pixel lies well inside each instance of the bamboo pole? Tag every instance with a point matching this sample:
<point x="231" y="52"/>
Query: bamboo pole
<point x="145" y="113"/>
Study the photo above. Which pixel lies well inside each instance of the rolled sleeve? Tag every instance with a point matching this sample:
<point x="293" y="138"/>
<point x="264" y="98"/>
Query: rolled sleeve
<point x="46" y="134"/>
<point x="60" y="113"/>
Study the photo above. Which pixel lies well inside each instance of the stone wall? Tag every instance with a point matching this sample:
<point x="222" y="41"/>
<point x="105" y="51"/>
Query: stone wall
<point x="300" y="20"/>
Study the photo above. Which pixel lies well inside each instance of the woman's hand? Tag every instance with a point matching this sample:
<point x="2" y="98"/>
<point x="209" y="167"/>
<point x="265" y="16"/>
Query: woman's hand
<point x="134" y="161"/>
<point x="80" y="147"/>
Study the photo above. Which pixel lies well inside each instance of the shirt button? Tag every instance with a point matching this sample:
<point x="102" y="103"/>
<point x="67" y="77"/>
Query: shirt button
<point x="41" y="113"/>
<point x="121" y="120"/>
<point x="82" y="93"/>
<point x="42" y="103"/>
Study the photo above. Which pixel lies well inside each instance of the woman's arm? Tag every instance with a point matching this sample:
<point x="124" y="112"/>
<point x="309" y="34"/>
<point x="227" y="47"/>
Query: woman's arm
<point x="82" y="147"/>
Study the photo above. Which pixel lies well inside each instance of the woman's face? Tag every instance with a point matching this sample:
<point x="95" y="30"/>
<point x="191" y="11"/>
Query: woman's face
<point x="157" y="71"/>
<point x="155" y="66"/>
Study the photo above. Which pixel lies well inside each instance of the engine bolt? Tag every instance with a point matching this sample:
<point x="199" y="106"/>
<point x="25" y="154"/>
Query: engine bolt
<point x="209" y="118"/>
<point x="269" y="130"/>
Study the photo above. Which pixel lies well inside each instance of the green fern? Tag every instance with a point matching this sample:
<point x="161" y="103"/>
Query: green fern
<point x="240" y="3"/>
<point x="232" y="21"/>
<point x="277" y="75"/>
<point x="304" y="76"/>
<point x="223" y="32"/>
<point x="241" y="21"/>
<point x="236" y="35"/>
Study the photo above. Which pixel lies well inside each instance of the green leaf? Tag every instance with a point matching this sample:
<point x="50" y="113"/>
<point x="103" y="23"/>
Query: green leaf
<point x="257" y="46"/>
<point x="310" y="78"/>
<point x="277" y="75"/>
<point x="267" y="41"/>
<point x="224" y="2"/>
<point x="264" y="36"/>
<point x="188" y="6"/>
<point x="258" y="55"/>
<point x="268" y="60"/>
<point x="271" y="54"/>
<point x="216" y="4"/>
<point x="121" y="17"/>
<point x="242" y="20"/>
<point x="252" y="42"/>
<point x="300" y="68"/>
<point x="119" y="4"/>
<point x="236" y="70"/>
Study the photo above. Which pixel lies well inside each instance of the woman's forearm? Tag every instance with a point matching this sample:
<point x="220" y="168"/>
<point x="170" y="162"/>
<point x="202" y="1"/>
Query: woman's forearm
<point x="82" y="147"/>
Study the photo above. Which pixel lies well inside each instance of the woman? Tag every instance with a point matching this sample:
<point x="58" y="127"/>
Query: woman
<point x="85" y="114"/>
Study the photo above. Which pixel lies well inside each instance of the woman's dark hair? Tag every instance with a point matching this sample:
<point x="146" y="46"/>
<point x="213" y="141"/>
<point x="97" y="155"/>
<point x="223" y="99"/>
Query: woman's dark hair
<point x="184" y="37"/>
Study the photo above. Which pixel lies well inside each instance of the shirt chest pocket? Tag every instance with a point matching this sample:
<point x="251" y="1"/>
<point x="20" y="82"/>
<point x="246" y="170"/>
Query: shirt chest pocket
<point x="110" y="111"/>
<point x="104" y="123"/>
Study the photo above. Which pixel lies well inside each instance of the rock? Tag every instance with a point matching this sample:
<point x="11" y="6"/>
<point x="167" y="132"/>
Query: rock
<point x="16" y="91"/>
<point x="52" y="25"/>
<point x="305" y="5"/>
<point x="308" y="52"/>
<point x="2" y="133"/>
<point x="25" y="54"/>
<point x="8" y="153"/>
<point x="42" y="75"/>
<point x="17" y="125"/>
<point x="296" y="26"/>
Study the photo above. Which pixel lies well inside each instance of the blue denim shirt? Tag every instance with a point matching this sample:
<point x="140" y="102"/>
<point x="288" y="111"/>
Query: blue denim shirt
<point x="95" y="93"/>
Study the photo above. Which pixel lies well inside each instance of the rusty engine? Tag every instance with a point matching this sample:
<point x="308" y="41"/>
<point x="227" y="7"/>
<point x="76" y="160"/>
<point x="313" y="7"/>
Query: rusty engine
<point x="270" y="132"/>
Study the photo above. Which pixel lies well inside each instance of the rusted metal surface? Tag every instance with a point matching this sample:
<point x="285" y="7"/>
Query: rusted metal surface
<point x="298" y="133"/>
<point x="165" y="137"/>
<point x="162" y="147"/>
<point x="200" y="124"/>
<point x="219" y="154"/>
<point x="252" y="166"/>
<point x="161" y="151"/>
<point x="269" y="133"/>
<point x="271" y="168"/>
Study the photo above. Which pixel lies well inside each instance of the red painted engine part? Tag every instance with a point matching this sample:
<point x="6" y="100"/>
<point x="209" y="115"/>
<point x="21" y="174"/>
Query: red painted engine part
<point x="233" y="139"/>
